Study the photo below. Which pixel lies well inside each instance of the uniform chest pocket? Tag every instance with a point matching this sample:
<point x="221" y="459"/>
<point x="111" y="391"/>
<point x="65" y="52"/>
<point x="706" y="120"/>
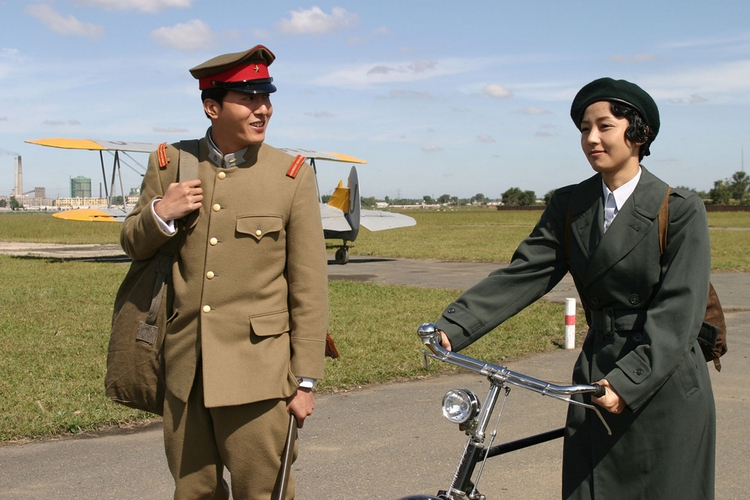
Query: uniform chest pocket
<point x="260" y="226"/>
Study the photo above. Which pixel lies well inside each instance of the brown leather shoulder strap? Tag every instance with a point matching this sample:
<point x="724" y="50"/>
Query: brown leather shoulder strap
<point x="664" y="222"/>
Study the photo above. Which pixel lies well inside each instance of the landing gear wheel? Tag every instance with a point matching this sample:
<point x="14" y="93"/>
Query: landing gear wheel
<point x="342" y="255"/>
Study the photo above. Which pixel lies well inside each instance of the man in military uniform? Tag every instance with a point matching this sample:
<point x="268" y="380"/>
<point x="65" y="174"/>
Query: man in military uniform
<point x="246" y="337"/>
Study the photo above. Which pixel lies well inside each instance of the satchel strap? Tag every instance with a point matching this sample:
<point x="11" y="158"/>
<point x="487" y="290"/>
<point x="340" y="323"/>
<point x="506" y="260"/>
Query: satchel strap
<point x="664" y="222"/>
<point x="187" y="169"/>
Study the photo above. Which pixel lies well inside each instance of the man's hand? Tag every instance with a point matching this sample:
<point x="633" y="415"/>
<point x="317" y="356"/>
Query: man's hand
<point x="180" y="199"/>
<point x="611" y="401"/>
<point x="301" y="404"/>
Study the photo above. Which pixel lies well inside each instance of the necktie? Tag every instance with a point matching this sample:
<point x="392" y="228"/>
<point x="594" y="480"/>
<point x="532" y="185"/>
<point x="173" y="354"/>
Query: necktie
<point x="610" y="210"/>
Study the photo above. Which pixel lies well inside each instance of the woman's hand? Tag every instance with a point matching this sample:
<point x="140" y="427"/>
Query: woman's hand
<point x="444" y="341"/>
<point x="611" y="401"/>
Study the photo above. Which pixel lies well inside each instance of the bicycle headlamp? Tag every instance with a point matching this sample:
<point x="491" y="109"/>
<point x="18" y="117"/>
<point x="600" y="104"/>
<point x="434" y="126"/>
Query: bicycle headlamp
<point x="460" y="406"/>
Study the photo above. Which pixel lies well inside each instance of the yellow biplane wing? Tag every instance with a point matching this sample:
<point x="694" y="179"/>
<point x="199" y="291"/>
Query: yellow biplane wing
<point x="96" y="145"/>
<point x="341" y="216"/>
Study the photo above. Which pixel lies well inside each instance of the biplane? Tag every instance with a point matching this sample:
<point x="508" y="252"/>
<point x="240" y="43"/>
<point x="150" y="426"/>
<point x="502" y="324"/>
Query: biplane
<point x="342" y="215"/>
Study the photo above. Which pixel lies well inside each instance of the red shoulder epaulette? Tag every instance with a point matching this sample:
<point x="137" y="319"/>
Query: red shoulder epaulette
<point x="295" y="166"/>
<point x="161" y="152"/>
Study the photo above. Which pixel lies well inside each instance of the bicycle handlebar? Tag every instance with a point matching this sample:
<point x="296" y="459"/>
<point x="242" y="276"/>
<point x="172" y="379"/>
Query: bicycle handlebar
<point x="430" y="336"/>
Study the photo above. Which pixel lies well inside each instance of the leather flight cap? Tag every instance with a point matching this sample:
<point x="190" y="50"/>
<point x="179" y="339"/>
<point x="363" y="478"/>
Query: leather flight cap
<point x="622" y="91"/>
<point x="245" y="71"/>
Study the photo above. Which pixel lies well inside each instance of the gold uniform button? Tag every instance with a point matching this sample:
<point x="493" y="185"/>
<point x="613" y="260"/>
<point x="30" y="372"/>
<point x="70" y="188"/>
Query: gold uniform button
<point x="210" y="275"/>
<point x="222" y="175"/>
<point x="213" y="241"/>
<point x="206" y="309"/>
<point x="258" y="232"/>
<point x="216" y="207"/>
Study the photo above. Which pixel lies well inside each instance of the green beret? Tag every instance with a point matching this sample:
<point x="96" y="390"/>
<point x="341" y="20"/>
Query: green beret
<point x="607" y="89"/>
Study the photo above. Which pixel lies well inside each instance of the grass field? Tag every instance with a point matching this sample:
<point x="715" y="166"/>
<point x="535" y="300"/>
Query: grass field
<point x="54" y="316"/>
<point x="54" y="328"/>
<point x="483" y="235"/>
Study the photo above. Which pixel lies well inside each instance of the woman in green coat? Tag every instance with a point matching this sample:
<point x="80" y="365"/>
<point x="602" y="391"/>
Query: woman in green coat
<point x="644" y="309"/>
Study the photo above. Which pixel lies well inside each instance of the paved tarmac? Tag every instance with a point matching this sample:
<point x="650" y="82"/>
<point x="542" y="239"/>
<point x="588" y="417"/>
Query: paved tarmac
<point x="386" y="441"/>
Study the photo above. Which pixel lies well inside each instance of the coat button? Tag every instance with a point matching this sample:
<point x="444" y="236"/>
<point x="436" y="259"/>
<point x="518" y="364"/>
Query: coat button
<point x="210" y="275"/>
<point x="222" y="175"/>
<point x="451" y="310"/>
<point x="206" y="309"/>
<point x="216" y="207"/>
<point x="634" y="299"/>
<point x="594" y="301"/>
<point x="638" y="372"/>
<point x="213" y="241"/>
<point x="258" y="232"/>
<point x="637" y="337"/>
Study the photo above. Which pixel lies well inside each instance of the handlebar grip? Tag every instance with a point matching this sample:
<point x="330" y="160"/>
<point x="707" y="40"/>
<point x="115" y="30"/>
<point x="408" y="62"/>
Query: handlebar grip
<point x="600" y="391"/>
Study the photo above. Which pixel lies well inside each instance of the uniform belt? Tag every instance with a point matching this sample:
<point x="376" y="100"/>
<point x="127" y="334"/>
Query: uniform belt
<point x="610" y="320"/>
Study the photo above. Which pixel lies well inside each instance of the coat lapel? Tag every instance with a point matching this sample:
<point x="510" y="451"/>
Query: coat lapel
<point x="632" y="224"/>
<point x="587" y="211"/>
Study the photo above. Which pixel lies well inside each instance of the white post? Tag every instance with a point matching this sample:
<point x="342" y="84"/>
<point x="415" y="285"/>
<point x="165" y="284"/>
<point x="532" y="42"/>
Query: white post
<point x="570" y="323"/>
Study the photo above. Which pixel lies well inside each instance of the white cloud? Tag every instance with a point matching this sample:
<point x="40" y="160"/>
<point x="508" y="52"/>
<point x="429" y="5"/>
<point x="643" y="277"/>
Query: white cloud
<point x="696" y="99"/>
<point x="170" y="130"/>
<point x="378" y="73"/>
<point x="316" y="22"/>
<point x="320" y="114"/>
<point x="190" y="36"/>
<point x="706" y="81"/>
<point x="382" y="31"/>
<point x="531" y="110"/>
<point x="485" y="138"/>
<point x="63" y="25"/>
<point x="260" y="33"/>
<point x="406" y="94"/>
<point x="9" y="58"/>
<point x="431" y="149"/>
<point x="150" y="6"/>
<point x="633" y="59"/>
<point x="496" y="91"/>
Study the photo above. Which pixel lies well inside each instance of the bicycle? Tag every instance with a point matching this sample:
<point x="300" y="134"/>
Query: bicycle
<point x="462" y="407"/>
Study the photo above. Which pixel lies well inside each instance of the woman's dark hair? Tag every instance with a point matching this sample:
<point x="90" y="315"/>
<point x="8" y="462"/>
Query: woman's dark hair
<point x="215" y="93"/>
<point x="638" y="130"/>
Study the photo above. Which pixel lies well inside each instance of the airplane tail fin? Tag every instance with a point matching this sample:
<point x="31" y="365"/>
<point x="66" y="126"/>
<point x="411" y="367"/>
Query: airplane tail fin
<point x="340" y="198"/>
<point x="347" y="200"/>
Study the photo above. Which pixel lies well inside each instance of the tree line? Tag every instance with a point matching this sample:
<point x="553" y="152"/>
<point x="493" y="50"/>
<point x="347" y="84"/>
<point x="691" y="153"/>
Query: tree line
<point x="732" y="191"/>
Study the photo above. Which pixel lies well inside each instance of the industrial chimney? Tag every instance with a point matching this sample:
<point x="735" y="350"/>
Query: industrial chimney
<point x="18" y="177"/>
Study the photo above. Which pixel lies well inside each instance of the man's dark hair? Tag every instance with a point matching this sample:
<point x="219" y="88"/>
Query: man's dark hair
<point x="214" y="93"/>
<point x="638" y="130"/>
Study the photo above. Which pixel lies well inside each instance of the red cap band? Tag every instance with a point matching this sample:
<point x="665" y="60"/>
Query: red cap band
<point x="246" y="72"/>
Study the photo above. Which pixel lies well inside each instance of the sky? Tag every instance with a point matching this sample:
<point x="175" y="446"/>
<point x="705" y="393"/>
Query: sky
<point x="440" y="97"/>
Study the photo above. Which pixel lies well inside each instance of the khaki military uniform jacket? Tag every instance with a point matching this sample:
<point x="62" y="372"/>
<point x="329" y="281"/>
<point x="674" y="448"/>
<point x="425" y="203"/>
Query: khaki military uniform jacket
<point x="644" y="312"/>
<point x="250" y="282"/>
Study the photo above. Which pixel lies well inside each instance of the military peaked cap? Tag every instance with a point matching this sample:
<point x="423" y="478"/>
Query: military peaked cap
<point x="239" y="71"/>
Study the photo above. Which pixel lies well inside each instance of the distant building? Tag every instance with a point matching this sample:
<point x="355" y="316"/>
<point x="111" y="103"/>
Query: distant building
<point x="80" y="187"/>
<point x="80" y="202"/>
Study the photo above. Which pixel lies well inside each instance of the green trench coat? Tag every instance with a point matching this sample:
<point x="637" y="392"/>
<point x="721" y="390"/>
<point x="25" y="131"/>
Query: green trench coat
<point x="644" y="313"/>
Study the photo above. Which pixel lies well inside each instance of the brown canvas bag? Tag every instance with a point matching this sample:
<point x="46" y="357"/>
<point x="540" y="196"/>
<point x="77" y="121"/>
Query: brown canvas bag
<point x="713" y="335"/>
<point x="135" y="362"/>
